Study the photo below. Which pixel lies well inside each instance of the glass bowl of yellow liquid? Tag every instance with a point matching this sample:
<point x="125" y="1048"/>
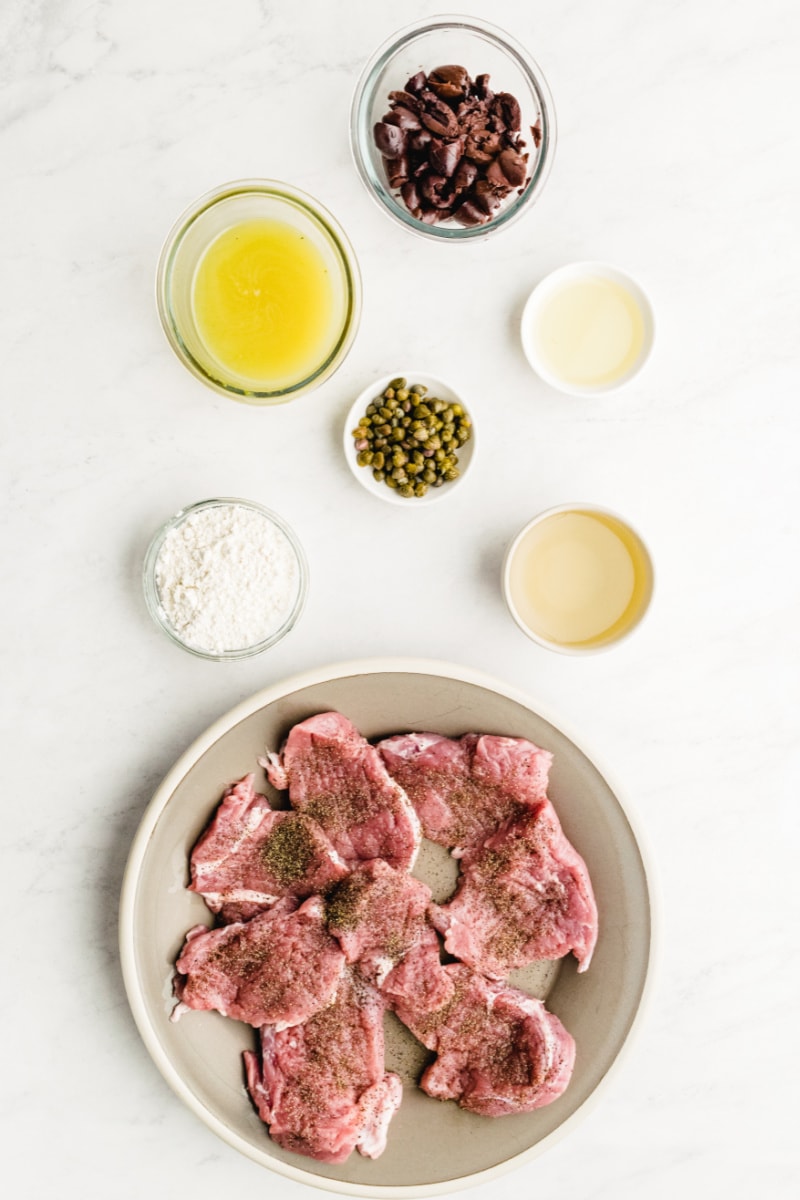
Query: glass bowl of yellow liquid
<point x="577" y="579"/>
<point x="588" y="329"/>
<point x="259" y="291"/>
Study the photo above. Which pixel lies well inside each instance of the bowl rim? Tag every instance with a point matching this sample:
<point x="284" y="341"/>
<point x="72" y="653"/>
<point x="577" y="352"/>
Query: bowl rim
<point x="366" y="396"/>
<point x="150" y="587"/>
<point x="574" y="271"/>
<point x="318" y="213"/>
<point x="576" y="651"/>
<point x="381" y="193"/>
<point x="127" y="905"/>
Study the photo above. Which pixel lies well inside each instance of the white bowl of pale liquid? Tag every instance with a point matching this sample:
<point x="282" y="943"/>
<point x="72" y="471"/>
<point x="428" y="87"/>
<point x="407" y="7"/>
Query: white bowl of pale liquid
<point x="588" y="329"/>
<point x="577" y="579"/>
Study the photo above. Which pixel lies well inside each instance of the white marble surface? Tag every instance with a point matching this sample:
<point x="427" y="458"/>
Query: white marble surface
<point x="678" y="160"/>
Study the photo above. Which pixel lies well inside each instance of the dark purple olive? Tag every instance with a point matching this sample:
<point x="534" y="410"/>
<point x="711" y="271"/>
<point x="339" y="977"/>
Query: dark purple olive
<point x="449" y="82"/>
<point x="445" y="156"/>
<point x="469" y="214"/>
<point x="390" y="140"/>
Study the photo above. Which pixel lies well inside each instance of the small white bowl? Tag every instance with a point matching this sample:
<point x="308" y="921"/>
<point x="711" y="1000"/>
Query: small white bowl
<point x="544" y="292"/>
<point x="639" y="602"/>
<point x="436" y="388"/>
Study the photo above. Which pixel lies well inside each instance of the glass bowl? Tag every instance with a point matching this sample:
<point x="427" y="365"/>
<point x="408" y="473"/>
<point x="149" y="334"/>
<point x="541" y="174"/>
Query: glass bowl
<point x="220" y="549"/>
<point x="481" y="49"/>
<point x="436" y="389"/>
<point x="187" y="242"/>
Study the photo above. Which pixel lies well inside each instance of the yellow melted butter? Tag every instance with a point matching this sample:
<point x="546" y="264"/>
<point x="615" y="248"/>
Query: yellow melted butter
<point x="590" y="332"/>
<point x="263" y="303"/>
<point x="578" y="578"/>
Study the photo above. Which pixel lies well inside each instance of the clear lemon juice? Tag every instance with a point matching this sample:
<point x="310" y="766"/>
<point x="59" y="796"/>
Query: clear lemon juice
<point x="263" y="304"/>
<point x="579" y="579"/>
<point x="590" y="332"/>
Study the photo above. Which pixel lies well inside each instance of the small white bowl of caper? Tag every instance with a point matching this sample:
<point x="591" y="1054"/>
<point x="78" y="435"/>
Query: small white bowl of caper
<point x="409" y="439"/>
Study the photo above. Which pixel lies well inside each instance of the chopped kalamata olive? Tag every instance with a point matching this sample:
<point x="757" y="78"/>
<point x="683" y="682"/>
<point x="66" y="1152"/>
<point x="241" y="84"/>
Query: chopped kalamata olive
<point x="453" y="147"/>
<point x="509" y="167"/>
<point x="390" y="140"/>
<point x="449" y="82"/>
<point x="396" y="170"/>
<point x="445" y="156"/>
<point x="507" y="109"/>
<point x="439" y="118"/>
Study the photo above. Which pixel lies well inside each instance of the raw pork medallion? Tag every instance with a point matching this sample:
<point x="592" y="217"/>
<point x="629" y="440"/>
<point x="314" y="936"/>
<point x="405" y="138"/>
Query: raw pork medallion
<point x="498" y="1050"/>
<point x="277" y="969"/>
<point x="251" y="855"/>
<point x="525" y="894"/>
<point x="335" y="776"/>
<point x="321" y="1087"/>
<point x="462" y="789"/>
<point x="380" y="918"/>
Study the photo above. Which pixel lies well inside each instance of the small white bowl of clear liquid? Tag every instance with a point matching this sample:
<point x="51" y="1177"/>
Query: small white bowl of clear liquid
<point x="588" y="329"/>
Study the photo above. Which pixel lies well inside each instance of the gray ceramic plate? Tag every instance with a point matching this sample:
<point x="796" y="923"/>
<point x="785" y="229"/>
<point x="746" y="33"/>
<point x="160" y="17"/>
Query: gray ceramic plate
<point x="433" y="1147"/>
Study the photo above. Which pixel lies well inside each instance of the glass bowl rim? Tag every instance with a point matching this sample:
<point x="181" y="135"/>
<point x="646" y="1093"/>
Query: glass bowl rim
<point x="537" y="81"/>
<point x="150" y="587"/>
<point x="304" y="201"/>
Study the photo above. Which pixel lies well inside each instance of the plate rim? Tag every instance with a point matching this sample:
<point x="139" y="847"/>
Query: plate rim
<point x="141" y="841"/>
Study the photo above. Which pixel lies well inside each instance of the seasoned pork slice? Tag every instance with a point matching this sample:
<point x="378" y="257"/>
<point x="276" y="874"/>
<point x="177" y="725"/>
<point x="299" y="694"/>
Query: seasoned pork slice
<point x="251" y="855"/>
<point x="499" y="1051"/>
<point x="321" y="1087"/>
<point x="525" y="894"/>
<point x="335" y="776"/>
<point x="277" y="969"/>
<point x="462" y="789"/>
<point x="380" y="917"/>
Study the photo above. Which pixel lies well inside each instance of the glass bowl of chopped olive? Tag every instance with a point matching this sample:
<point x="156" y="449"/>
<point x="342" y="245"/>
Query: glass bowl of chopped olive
<point x="409" y="439"/>
<point x="453" y="128"/>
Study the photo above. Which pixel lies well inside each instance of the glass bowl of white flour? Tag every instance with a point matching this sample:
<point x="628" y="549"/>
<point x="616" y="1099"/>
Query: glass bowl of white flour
<point x="225" y="578"/>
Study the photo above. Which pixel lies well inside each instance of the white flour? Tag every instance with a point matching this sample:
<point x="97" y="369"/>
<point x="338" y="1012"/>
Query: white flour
<point x="227" y="578"/>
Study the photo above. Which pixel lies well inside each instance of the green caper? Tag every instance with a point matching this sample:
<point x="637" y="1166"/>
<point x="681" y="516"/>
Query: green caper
<point x="364" y="458"/>
<point x="378" y="459"/>
<point x="392" y="483"/>
<point x="422" y="434"/>
<point x="420" y="489"/>
<point x="419" y="388"/>
<point x="406" y="489"/>
<point x="398" y="383"/>
<point x="378" y="475"/>
<point x="429" y="475"/>
<point x="402" y="394"/>
<point x="452" y="474"/>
